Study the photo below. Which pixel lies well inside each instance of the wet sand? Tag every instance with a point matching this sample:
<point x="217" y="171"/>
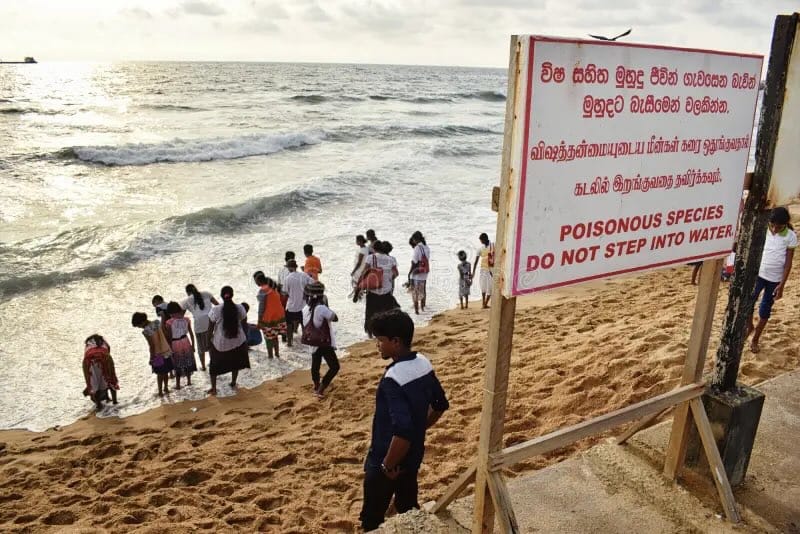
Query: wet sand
<point x="277" y="459"/>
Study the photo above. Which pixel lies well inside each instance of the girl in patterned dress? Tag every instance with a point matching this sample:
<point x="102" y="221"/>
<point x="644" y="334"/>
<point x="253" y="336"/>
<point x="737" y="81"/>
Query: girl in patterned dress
<point x="271" y="315"/>
<point x="180" y="332"/>
<point x="464" y="279"/>
<point x="160" y="351"/>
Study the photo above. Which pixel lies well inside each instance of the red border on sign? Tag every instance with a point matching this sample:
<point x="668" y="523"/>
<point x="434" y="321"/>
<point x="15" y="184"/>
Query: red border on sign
<point x="515" y="291"/>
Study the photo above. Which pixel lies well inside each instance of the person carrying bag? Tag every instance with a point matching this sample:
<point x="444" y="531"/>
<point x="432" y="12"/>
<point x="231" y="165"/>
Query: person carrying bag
<point x="317" y="332"/>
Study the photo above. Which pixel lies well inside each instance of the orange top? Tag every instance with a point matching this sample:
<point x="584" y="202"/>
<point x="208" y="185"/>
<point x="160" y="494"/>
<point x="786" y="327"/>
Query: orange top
<point x="313" y="267"/>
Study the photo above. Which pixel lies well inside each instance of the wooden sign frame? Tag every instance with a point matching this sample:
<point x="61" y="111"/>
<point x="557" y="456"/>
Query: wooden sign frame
<point x="492" y="501"/>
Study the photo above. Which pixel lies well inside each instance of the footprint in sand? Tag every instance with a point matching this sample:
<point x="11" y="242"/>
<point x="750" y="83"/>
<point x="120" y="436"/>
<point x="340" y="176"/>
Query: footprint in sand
<point x="205" y="424"/>
<point x="60" y="517"/>
<point x="203" y="437"/>
<point x="25" y="519"/>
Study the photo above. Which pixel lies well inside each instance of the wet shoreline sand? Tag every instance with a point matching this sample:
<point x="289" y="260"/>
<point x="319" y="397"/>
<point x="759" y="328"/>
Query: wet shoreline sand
<point x="275" y="458"/>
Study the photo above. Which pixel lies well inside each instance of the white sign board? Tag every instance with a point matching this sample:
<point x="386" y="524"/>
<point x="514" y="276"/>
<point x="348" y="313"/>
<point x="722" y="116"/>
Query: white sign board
<point x="625" y="157"/>
<point x="784" y="183"/>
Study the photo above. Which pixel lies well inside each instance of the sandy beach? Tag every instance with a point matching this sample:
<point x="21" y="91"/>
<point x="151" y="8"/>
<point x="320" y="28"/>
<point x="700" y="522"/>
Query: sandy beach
<point x="277" y="459"/>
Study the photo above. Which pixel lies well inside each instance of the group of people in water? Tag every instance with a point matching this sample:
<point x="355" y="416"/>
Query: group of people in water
<point x="294" y="299"/>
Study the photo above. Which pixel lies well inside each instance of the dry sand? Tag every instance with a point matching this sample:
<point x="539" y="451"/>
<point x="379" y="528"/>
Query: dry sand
<point x="276" y="459"/>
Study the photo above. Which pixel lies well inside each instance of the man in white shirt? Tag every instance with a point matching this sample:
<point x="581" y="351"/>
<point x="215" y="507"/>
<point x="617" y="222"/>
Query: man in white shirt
<point x="486" y="256"/>
<point x="776" y="264"/>
<point x="294" y="286"/>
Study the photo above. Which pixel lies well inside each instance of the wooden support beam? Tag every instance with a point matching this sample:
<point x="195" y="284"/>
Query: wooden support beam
<point x="452" y="492"/>
<point x="695" y="360"/>
<point x="714" y="460"/>
<point x="501" y="319"/>
<point x="640" y="425"/>
<point x="502" y="503"/>
<point x="568" y="435"/>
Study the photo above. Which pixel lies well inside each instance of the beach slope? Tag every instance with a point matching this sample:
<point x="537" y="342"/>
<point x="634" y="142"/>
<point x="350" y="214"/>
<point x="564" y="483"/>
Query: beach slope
<point x="277" y="459"/>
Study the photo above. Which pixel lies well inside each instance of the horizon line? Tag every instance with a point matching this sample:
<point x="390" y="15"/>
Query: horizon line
<point x="39" y="61"/>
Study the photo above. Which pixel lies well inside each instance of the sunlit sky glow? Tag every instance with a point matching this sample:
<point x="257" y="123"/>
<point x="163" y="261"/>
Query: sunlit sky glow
<point x="446" y="32"/>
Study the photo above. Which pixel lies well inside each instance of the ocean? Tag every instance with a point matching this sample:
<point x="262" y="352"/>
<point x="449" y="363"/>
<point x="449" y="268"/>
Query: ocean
<point x="122" y="181"/>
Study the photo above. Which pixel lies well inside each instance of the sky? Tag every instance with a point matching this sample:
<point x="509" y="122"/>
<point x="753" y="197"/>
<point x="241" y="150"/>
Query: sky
<point x="433" y="32"/>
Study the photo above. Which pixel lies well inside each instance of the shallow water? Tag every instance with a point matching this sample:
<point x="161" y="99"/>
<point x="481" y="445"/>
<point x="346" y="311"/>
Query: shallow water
<point x="120" y="181"/>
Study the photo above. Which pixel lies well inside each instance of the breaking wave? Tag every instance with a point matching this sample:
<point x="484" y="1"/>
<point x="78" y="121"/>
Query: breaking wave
<point x="179" y="150"/>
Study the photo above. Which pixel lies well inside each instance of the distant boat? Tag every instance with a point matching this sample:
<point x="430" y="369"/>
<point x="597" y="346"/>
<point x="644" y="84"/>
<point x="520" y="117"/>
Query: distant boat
<point x="28" y="59"/>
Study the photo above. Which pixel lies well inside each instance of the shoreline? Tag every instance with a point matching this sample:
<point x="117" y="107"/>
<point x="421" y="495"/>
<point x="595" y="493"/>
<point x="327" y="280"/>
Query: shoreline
<point x="274" y="457"/>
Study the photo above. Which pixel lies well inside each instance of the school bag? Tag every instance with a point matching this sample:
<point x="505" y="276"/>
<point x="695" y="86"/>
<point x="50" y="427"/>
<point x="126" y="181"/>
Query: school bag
<point x="423" y="266"/>
<point x="316" y="337"/>
<point x="372" y="277"/>
<point x="490" y="256"/>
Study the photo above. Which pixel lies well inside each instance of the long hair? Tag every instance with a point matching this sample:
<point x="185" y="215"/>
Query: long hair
<point x="97" y="339"/>
<point x="198" y="298"/>
<point x="230" y="313"/>
<point x="418" y="237"/>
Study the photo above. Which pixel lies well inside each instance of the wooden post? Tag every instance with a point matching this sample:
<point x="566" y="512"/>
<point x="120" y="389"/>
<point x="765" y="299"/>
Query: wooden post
<point x="640" y="425"/>
<point x="501" y="323"/>
<point x="754" y="218"/>
<point x="452" y="492"/>
<point x="695" y="359"/>
<point x="502" y="503"/>
<point x="714" y="460"/>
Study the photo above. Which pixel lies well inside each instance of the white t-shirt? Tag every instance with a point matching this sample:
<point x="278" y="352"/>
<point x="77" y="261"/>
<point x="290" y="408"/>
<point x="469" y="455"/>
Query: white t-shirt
<point x="321" y="313"/>
<point x="284" y="272"/>
<point x="730" y="261"/>
<point x="419" y="251"/>
<point x="387" y="263"/>
<point x="773" y="259"/>
<point x="294" y="285"/>
<point x="222" y="343"/>
<point x="200" y="316"/>
<point x="483" y="253"/>
<point x="363" y="251"/>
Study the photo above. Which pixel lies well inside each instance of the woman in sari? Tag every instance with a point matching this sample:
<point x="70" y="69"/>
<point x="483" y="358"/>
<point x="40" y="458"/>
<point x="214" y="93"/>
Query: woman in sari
<point x="98" y="371"/>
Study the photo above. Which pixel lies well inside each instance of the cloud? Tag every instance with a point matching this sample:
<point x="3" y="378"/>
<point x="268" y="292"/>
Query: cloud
<point x="260" y="26"/>
<point x="200" y="7"/>
<point x="137" y="12"/>
<point x="315" y="13"/>
<point x="502" y="4"/>
<point x="270" y="10"/>
<point x="605" y="5"/>
<point x="375" y="17"/>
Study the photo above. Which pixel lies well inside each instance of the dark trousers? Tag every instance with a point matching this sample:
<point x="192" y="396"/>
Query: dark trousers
<point x="378" y="492"/>
<point x="329" y="353"/>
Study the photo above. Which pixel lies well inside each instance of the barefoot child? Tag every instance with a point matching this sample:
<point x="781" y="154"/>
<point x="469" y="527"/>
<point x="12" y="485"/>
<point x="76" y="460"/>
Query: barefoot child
<point x="182" y="343"/>
<point x="464" y="280"/>
<point x="98" y="371"/>
<point x="318" y="332"/>
<point x="776" y="264"/>
<point x="160" y="352"/>
<point x="199" y="303"/>
<point x="271" y="315"/>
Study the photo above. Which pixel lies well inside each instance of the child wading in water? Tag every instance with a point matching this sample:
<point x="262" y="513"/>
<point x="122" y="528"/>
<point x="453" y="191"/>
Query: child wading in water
<point x="464" y="279"/>
<point x="271" y="315"/>
<point x="180" y="331"/>
<point x="776" y="264"/>
<point x="160" y="351"/>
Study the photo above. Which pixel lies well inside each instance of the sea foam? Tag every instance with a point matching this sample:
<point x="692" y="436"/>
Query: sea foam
<point x="192" y="150"/>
